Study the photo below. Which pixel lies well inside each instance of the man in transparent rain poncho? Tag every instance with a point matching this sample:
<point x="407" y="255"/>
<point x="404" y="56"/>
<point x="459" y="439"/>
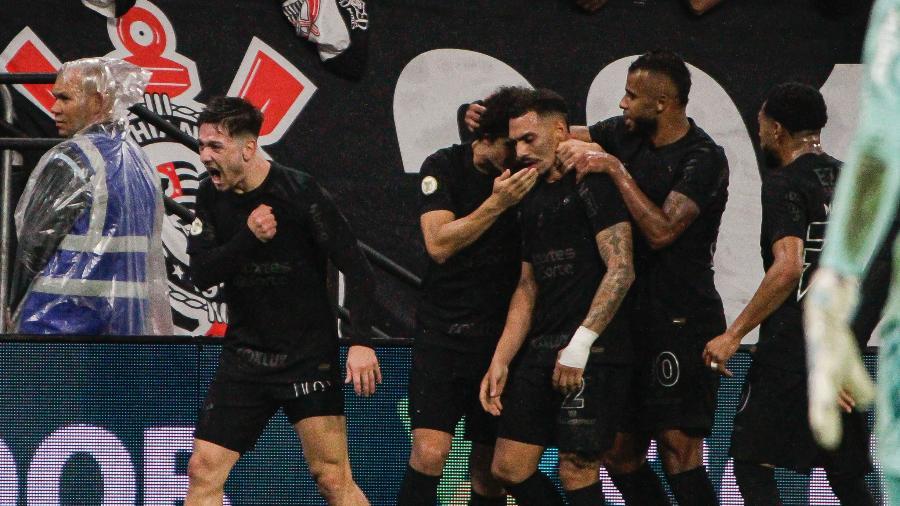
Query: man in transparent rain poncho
<point x="90" y="258"/>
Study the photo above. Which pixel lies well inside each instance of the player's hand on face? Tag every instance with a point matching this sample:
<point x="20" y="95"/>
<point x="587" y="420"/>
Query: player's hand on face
<point x="473" y="116"/>
<point x="262" y="223"/>
<point x="567" y="379"/>
<point x="718" y="351"/>
<point x="492" y="387"/>
<point x="509" y="189"/>
<point x="363" y="370"/>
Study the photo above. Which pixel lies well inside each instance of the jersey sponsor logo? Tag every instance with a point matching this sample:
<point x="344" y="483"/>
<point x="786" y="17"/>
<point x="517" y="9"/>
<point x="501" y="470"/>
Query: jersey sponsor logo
<point x="144" y="36"/>
<point x="429" y="185"/>
<point x="666" y="369"/>
<point x="311" y="387"/>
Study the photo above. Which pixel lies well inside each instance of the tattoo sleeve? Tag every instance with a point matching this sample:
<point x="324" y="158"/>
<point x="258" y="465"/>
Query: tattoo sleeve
<point x="615" y="247"/>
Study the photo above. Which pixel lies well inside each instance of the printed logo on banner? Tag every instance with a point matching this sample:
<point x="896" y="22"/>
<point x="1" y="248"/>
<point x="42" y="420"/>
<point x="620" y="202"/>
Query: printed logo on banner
<point x="303" y="15"/>
<point x="145" y="37"/>
<point x="359" y="19"/>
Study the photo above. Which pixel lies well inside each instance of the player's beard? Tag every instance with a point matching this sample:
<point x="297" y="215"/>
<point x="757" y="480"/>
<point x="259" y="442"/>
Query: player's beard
<point x="646" y="126"/>
<point x="771" y="157"/>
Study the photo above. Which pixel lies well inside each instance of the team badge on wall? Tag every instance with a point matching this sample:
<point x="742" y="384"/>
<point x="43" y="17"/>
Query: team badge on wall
<point x="145" y="36"/>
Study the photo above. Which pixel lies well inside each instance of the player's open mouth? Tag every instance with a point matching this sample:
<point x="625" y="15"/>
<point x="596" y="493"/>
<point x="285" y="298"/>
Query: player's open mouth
<point x="215" y="174"/>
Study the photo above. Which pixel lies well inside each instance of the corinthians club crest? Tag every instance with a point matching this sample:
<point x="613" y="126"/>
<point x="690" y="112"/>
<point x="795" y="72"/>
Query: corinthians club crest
<point x="145" y="37"/>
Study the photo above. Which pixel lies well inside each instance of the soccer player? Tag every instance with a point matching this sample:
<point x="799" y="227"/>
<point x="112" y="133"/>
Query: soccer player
<point x="573" y="346"/>
<point x="770" y="428"/>
<point x="265" y="231"/>
<point x="468" y="220"/>
<point x="674" y="180"/>
<point x="866" y="202"/>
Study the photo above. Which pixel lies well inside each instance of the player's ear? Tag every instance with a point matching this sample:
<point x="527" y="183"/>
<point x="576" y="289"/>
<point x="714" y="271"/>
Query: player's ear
<point x="560" y="129"/>
<point x="249" y="148"/>
<point x="778" y="129"/>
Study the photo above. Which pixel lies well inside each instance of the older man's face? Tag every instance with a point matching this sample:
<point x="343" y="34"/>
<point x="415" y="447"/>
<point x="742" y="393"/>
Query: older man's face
<point x="73" y="109"/>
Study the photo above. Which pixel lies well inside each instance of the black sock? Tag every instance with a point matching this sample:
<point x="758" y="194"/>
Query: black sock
<point x="417" y="489"/>
<point x="757" y="484"/>
<point x="641" y="487"/>
<point x="591" y="495"/>
<point x="476" y="499"/>
<point x="850" y="490"/>
<point x="693" y="488"/>
<point x="536" y="490"/>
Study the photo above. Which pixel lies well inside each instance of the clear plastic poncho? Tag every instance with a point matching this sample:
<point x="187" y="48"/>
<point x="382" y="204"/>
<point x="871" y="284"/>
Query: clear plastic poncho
<point x="90" y="257"/>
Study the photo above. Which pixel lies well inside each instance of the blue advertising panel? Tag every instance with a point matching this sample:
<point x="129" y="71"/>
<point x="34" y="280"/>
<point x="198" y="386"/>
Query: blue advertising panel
<point x="111" y="424"/>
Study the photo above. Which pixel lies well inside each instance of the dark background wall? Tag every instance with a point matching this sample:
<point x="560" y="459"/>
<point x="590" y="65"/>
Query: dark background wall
<point x="346" y="134"/>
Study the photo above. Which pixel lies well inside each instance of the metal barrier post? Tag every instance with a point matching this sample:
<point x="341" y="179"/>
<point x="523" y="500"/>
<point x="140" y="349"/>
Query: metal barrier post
<point x="5" y="210"/>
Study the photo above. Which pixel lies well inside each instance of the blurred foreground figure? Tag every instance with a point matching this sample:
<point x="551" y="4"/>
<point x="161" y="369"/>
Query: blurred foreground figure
<point x="90" y="259"/>
<point x="865" y="205"/>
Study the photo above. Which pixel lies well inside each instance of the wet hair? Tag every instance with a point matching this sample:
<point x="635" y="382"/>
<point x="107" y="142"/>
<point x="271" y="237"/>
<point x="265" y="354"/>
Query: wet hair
<point x="494" y="122"/>
<point x="542" y="101"/>
<point x="236" y="115"/>
<point x="798" y="107"/>
<point x="671" y="65"/>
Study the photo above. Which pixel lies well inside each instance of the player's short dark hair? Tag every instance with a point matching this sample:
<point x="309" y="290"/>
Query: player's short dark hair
<point x="494" y="122"/>
<point x="670" y="64"/>
<point x="797" y="106"/>
<point x="542" y="101"/>
<point x="236" y="115"/>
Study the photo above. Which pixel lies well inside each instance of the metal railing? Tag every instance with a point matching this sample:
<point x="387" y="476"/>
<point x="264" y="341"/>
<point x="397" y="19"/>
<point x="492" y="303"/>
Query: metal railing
<point x="172" y="207"/>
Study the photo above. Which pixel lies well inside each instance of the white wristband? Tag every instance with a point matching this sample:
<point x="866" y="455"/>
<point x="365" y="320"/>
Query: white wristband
<point x="579" y="348"/>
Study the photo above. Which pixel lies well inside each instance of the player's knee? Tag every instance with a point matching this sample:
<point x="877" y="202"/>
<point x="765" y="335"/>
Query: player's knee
<point x="202" y="471"/>
<point x="575" y="468"/>
<point x="332" y="479"/>
<point x="429" y="456"/>
<point x="508" y="471"/>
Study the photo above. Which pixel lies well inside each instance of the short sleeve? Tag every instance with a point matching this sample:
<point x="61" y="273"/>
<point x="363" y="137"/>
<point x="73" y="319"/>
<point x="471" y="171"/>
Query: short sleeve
<point x="784" y="210"/>
<point x="602" y="202"/>
<point x="702" y="176"/>
<point x="436" y="184"/>
<point x="606" y="133"/>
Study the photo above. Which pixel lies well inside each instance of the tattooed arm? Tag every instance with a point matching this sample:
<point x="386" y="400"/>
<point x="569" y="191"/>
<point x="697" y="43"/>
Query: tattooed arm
<point x="615" y="248"/>
<point x="661" y="227"/>
<point x="614" y="244"/>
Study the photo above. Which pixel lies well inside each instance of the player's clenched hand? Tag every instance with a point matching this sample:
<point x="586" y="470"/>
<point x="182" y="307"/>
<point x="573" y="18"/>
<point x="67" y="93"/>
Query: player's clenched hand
<point x="566" y="379"/>
<point x="510" y="188"/>
<point x="492" y="387"/>
<point x="473" y="116"/>
<point x="363" y="370"/>
<point x="718" y="351"/>
<point x="262" y="223"/>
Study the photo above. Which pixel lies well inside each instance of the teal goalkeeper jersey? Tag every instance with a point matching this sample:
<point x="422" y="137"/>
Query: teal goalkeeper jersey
<point x="865" y="205"/>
